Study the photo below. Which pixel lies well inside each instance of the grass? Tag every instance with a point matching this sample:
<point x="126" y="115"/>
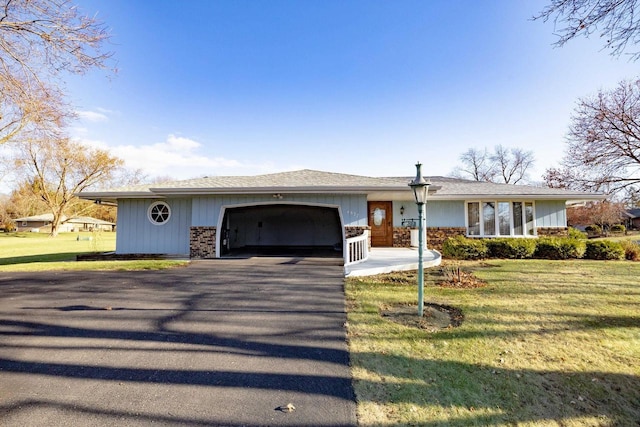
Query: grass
<point x="39" y="252"/>
<point x="633" y="236"/>
<point x="544" y="343"/>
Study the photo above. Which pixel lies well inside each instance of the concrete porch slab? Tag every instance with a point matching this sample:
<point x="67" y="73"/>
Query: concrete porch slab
<point x="388" y="260"/>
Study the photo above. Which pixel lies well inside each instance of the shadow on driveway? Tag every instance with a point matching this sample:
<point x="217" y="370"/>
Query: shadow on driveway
<point x="224" y="342"/>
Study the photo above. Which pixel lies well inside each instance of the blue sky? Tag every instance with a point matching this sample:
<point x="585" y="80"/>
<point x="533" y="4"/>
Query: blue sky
<point x="362" y="87"/>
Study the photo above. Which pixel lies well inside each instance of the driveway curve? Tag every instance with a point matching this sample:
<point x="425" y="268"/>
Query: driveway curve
<point x="221" y="342"/>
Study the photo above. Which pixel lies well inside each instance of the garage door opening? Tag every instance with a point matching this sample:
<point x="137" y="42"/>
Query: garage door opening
<point x="281" y="230"/>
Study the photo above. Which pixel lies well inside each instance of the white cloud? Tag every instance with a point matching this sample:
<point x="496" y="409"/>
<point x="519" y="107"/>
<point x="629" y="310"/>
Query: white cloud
<point x="106" y="111"/>
<point x="93" y="116"/>
<point x="178" y="143"/>
<point x="179" y="158"/>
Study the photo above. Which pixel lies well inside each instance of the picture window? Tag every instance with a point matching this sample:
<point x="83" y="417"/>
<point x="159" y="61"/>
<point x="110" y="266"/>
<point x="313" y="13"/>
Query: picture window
<point x="500" y="218"/>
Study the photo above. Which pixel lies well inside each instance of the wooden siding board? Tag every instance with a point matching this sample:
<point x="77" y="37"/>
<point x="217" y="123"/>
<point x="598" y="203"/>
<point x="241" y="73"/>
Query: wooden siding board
<point x="440" y="213"/>
<point x="550" y="213"/>
<point x="445" y="213"/>
<point x="136" y="234"/>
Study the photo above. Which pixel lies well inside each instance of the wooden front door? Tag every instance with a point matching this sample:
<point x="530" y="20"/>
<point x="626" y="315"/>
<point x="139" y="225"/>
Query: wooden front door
<point x="381" y="223"/>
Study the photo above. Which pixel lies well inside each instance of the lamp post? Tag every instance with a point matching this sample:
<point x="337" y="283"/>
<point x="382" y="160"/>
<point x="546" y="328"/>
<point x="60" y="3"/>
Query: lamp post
<point x="420" y="188"/>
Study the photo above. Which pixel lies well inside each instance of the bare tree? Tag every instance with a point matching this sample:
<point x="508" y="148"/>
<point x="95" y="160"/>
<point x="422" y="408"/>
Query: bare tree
<point x="40" y="42"/>
<point x="512" y="164"/>
<point x="603" y="152"/>
<point x="476" y="164"/>
<point x="616" y="22"/>
<point x="505" y="165"/>
<point x="57" y="170"/>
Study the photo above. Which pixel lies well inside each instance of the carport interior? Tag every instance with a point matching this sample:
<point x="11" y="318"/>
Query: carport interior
<point x="281" y="230"/>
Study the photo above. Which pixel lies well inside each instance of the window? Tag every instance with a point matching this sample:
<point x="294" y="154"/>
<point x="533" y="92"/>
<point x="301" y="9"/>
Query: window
<point x="159" y="213"/>
<point x="499" y="218"/>
<point x="528" y="209"/>
<point x="504" y="219"/>
<point x="489" y="216"/>
<point x="517" y="219"/>
<point x="473" y="219"/>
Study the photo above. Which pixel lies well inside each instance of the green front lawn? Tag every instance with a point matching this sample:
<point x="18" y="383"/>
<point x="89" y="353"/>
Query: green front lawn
<point x="39" y="252"/>
<point x="545" y="343"/>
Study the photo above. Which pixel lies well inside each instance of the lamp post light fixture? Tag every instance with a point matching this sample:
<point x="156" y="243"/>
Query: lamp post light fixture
<point x="420" y="188"/>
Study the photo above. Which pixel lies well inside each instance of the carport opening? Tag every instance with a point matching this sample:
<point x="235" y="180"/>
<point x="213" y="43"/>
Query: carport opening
<point x="281" y="230"/>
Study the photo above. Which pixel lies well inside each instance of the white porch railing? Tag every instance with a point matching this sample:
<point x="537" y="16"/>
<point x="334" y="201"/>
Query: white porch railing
<point x="356" y="249"/>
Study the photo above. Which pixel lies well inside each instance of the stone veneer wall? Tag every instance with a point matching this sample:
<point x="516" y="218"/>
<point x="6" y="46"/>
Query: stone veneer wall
<point x="552" y="231"/>
<point x="435" y="236"/>
<point x="202" y="242"/>
<point x="401" y="237"/>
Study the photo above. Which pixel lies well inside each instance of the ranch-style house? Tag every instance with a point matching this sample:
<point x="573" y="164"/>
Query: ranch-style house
<point x="334" y="214"/>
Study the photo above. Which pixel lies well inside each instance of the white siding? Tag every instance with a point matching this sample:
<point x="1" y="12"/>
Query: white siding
<point x="445" y="214"/>
<point x="439" y="213"/>
<point x="136" y="234"/>
<point x="551" y="213"/>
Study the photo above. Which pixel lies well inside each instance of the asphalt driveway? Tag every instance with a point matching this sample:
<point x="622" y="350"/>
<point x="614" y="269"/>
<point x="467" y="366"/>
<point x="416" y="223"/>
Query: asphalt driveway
<point x="223" y="342"/>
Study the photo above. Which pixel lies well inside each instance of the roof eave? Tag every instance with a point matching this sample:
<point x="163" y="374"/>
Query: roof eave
<point x="567" y="197"/>
<point x="117" y="195"/>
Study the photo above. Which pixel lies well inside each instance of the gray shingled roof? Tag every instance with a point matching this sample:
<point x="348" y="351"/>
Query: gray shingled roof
<point x="317" y="181"/>
<point x="296" y="179"/>
<point x="633" y="213"/>
<point x="464" y="187"/>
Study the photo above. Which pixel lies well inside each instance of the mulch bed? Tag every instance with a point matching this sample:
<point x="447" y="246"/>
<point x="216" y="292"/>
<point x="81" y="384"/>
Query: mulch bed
<point x="435" y="317"/>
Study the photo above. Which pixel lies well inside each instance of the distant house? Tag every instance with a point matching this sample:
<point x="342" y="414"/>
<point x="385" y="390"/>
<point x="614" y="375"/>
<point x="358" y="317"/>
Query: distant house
<point x="632" y="218"/>
<point x="221" y="216"/>
<point x="42" y="224"/>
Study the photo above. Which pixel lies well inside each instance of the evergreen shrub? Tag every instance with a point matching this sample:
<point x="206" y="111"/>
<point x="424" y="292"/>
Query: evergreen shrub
<point x="604" y="250"/>
<point x="559" y="248"/>
<point x="511" y="248"/>
<point x="460" y="247"/>
<point x="574" y="233"/>
<point x="593" y="230"/>
<point x="618" y="229"/>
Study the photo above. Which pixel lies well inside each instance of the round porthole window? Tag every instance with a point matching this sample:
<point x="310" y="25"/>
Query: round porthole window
<point x="159" y="213"/>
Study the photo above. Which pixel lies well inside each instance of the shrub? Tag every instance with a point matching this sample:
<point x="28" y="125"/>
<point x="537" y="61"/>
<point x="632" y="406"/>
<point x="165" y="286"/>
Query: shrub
<point x="593" y="230"/>
<point x="559" y="248"/>
<point x="460" y="247"/>
<point x="604" y="250"/>
<point x="512" y="248"/>
<point x="574" y="233"/>
<point x="618" y="229"/>
<point x="631" y="250"/>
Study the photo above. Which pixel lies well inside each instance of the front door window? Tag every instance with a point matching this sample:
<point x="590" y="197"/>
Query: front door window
<point x="378" y="216"/>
